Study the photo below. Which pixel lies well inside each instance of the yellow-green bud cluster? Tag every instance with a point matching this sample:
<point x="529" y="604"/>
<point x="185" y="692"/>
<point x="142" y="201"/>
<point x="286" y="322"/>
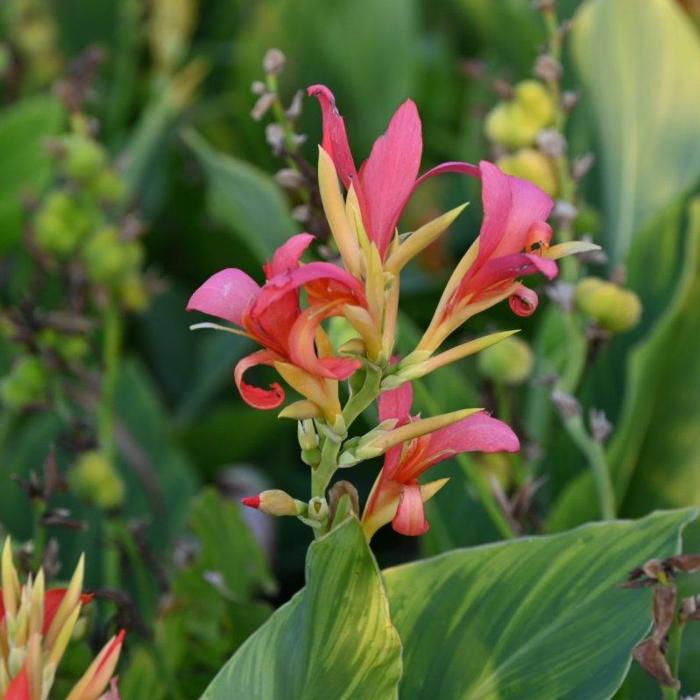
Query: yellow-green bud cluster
<point x="516" y="123"/>
<point x="614" y="308"/>
<point x="26" y="384"/>
<point x="68" y="347"/>
<point x="508" y="362"/>
<point x="63" y="222"/>
<point x="94" y="478"/>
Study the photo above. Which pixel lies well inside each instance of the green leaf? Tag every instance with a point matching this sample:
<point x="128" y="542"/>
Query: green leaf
<point x="334" y="639"/>
<point x="243" y="200"/>
<point x="655" y="454"/>
<point x="534" y="618"/>
<point x="25" y="162"/>
<point x="635" y="59"/>
<point x="228" y="546"/>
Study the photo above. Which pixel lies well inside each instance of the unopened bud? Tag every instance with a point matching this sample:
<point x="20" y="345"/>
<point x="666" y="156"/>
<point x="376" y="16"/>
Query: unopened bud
<point x="274" y="135"/>
<point x="301" y="213"/>
<point x="307" y="435"/>
<point x="274" y="62"/>
<point x="548" y="68"/>
<point x="258" y="88"/>
<point x="530" y="164"/>
<point x="567" y="405"/>
<point x="614" y="308"/>
<point x="26" y="383"/>
<point x="551" y="143"/>
<point x="262" y="105"/>
<point x="294" y="110"/>
<point x="83" y="157"/>
<point x="275" y="502"/>
<point x="318" y="509"/>
<point x="564" y="212"/>
<point x="290" y="178"/>
<point x="508" y="362"/>
<point x="569" y="100"/>
<point x="601" y="427"/>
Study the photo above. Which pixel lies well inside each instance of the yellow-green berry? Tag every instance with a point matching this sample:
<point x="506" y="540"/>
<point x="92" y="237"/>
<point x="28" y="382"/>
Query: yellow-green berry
<point x="508" y="362"/>
<point x="94" y="479"/>
<point x="534" y="98"/>
<point x="84" y="158"/>
<point x="62" y="223"/>
<point x="25" y="384"/>
<point x="530" y="164"/>
<point x="614" y="308"/>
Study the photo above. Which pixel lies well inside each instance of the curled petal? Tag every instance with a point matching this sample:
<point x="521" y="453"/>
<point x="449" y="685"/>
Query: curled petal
<point x="227" y="294"/>
<point x="302" y="350"/>
<point x="389" y="174"/>
<point x="335" y="138"/>
<point x="287" y="256"/>
<point x="254" y="396"/>
<point x="410" y="515"/>
<point x="523" y="301"/>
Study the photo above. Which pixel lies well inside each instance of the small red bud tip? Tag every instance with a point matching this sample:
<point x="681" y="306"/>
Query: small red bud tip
<point x="251" y="501"/>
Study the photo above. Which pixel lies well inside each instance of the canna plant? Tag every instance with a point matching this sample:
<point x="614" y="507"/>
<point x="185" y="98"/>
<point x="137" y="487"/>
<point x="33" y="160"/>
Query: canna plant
<point x="286" y="314"/>
<point x="36" y="626"/>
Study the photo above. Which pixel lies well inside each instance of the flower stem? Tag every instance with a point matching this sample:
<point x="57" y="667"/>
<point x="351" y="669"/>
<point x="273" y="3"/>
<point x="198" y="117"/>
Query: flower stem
<point x="111" y="346"/>
<point x="597" y="460"/>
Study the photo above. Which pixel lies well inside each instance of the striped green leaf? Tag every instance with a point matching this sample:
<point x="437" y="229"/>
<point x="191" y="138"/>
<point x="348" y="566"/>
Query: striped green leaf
<point x="333" y="640"/>
<point x="529" y="619"/>
<point x="638" y="63"/>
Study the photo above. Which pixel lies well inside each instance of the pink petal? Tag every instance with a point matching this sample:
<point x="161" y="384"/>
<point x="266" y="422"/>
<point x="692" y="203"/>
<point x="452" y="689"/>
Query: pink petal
<point x="396" y="403"/>
<point x="226" y="294"/>
<point x="254" y="396"/>
<point x="19" y="688"/>
<point x="523" y="301"/>
<point x="510" y="267"/>
<point x="511" y="207"/>
<point x="335" y="139"/>
<point x="476" y="433"/>
<point x="333" y="283"/>
<point x="453" y="166"/>
<point x="287" y="256"/>
<point x="410" y="515"/>
<point x="389" y="174"/>
<point x="302" y="350"/>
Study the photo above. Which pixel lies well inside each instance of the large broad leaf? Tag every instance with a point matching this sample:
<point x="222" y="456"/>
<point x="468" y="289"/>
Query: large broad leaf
<point x="25" y="163"/>
<point x="243" y="199"/>
<point x="637" y="62"/>
<point x="529" y="619"/>
<point x="334" y="639"/>
<point x="655" y="454"/>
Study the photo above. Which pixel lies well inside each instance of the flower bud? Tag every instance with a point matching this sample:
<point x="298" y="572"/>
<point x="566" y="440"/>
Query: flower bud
<point x="530" y="164"/>
<point x="508" y="362"/>
<point x="25" y="384"/>
<point x="318" y="509"/>
<point x="614" y="308"/>
<point x="108" y="259"/>
<point x="275" y="502"/>
<point x="94" y="478"/>
<point x="109" y="187"/>
<point x="83" y="157"/>
<point x="274" y="62"/>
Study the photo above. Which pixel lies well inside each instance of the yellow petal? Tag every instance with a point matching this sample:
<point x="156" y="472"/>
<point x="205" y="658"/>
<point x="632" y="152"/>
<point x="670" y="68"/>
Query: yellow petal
<point x="70" y="600"/>
<point x="334" y="208"/>
<point x="420" y="239"/>
<point x="10" y="580"/>
<point x="559" y="250"/>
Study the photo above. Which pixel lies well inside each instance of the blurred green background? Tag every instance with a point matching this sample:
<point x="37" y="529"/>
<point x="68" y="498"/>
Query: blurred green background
<point x="164" y="87"/>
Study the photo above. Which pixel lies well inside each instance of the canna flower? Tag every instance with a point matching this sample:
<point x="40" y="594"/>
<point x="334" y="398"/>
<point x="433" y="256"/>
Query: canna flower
<point x="514" y="242"/>
<point x="292" y="339"/>
<point x="35" y="628"/>
<point x="396" y="496"/>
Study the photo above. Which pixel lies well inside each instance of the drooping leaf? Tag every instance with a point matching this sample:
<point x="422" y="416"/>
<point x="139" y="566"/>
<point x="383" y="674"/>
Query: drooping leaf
<point x="534" y="618"/>
<point x="636" y="61"/>
<point x="25" y="163"/>
<point x="334" y="639"/>
<point x="243" y="200"/>
<point x="654" y="455"/>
